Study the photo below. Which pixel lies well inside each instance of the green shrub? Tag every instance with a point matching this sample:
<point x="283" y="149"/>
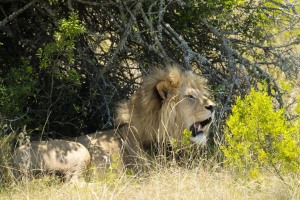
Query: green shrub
<point x="16" y="90"/>
<point x="58" y="56"/>
<point x="259" y="138"/>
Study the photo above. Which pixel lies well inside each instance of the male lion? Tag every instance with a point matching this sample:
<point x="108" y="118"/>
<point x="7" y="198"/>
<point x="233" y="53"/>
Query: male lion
<point x="168" y="102"/>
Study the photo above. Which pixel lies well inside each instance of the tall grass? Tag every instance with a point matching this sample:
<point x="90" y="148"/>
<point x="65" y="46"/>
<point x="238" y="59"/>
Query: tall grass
<point x="168" y="183"/>
<point x="163" y="180"/>
<point x="187" y="173"/>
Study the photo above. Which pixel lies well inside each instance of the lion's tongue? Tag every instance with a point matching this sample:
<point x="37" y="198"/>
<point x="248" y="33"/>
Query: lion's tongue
<point x="198" y="127"/>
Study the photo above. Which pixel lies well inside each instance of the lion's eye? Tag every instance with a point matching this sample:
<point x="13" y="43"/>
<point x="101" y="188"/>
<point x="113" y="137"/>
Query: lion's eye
<point x="190" y="96"/>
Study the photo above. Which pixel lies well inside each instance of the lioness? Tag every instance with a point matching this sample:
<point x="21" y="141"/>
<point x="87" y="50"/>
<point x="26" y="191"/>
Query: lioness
<point x="168" y="102"/>
<point x="66" y="158"/>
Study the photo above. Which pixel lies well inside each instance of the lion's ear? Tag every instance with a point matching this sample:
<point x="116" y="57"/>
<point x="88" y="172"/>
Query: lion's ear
<point x="171" y="84"/>
<point x="162" y="89"/>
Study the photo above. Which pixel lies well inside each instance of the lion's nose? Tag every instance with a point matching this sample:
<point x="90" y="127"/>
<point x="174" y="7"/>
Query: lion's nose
<point x="211" y="107"/>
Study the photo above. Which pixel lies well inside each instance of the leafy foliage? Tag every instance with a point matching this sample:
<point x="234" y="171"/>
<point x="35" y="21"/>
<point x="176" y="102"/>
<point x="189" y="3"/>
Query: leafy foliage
<point x="16" y="91"/>
<point x="62" y="49"/>
<point x="260" y="138"/>
<point x="184" y="143"/>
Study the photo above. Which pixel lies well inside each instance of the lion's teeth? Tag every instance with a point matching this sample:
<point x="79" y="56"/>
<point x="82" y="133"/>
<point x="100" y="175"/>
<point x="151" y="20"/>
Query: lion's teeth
<point x="198" y="126"/>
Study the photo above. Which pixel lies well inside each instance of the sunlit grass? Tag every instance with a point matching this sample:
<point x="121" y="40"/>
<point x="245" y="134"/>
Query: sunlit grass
<point x="160" y="183"/>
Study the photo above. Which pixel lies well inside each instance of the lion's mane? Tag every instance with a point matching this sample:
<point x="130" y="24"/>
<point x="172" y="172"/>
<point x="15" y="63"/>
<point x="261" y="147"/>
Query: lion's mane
<point x="151" y="111"/>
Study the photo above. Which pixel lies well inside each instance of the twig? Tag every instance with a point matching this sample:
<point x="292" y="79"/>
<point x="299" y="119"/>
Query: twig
<point x="15" y="14"/>
<point x="243" y="60"/>
<point x="189" y="53"/>
<point x="122" y="42"/>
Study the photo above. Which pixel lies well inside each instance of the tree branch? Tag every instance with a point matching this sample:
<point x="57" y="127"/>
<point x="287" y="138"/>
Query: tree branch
<point x="189" y="53"/>
<point x="244" y="61"/>
<point x="15" y="14"/>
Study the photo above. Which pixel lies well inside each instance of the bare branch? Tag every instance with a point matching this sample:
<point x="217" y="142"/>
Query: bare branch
<point x="15" y="14"/>
<point x="122" y="42"/>
<point x="189" y="53"/>
<point x="243" y="60"/>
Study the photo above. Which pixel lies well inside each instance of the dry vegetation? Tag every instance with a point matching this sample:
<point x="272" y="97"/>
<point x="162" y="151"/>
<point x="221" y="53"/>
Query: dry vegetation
<point x="161" y="183"/>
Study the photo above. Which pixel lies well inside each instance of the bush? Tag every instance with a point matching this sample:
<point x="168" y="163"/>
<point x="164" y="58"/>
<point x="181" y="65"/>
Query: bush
<point x="259" y="138"/>
<point x="17" y="89"/>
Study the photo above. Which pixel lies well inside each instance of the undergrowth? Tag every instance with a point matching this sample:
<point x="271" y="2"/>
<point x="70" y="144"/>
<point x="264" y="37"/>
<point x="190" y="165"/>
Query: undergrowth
<point x="260" y="138"/>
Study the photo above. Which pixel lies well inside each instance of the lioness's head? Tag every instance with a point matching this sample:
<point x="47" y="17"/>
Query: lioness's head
<point x="168" y="102"/>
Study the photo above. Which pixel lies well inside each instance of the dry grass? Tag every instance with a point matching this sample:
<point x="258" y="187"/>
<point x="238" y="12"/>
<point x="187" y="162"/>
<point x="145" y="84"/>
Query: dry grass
<point x="165" y="183"/>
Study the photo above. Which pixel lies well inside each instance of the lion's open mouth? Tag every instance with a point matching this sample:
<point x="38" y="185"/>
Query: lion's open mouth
<point x="198" y="127"/>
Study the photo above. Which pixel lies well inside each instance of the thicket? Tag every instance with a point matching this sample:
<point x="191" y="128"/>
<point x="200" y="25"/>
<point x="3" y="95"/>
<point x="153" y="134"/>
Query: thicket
<point x="65" y="64"/>
<point x="259" y="138"/>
